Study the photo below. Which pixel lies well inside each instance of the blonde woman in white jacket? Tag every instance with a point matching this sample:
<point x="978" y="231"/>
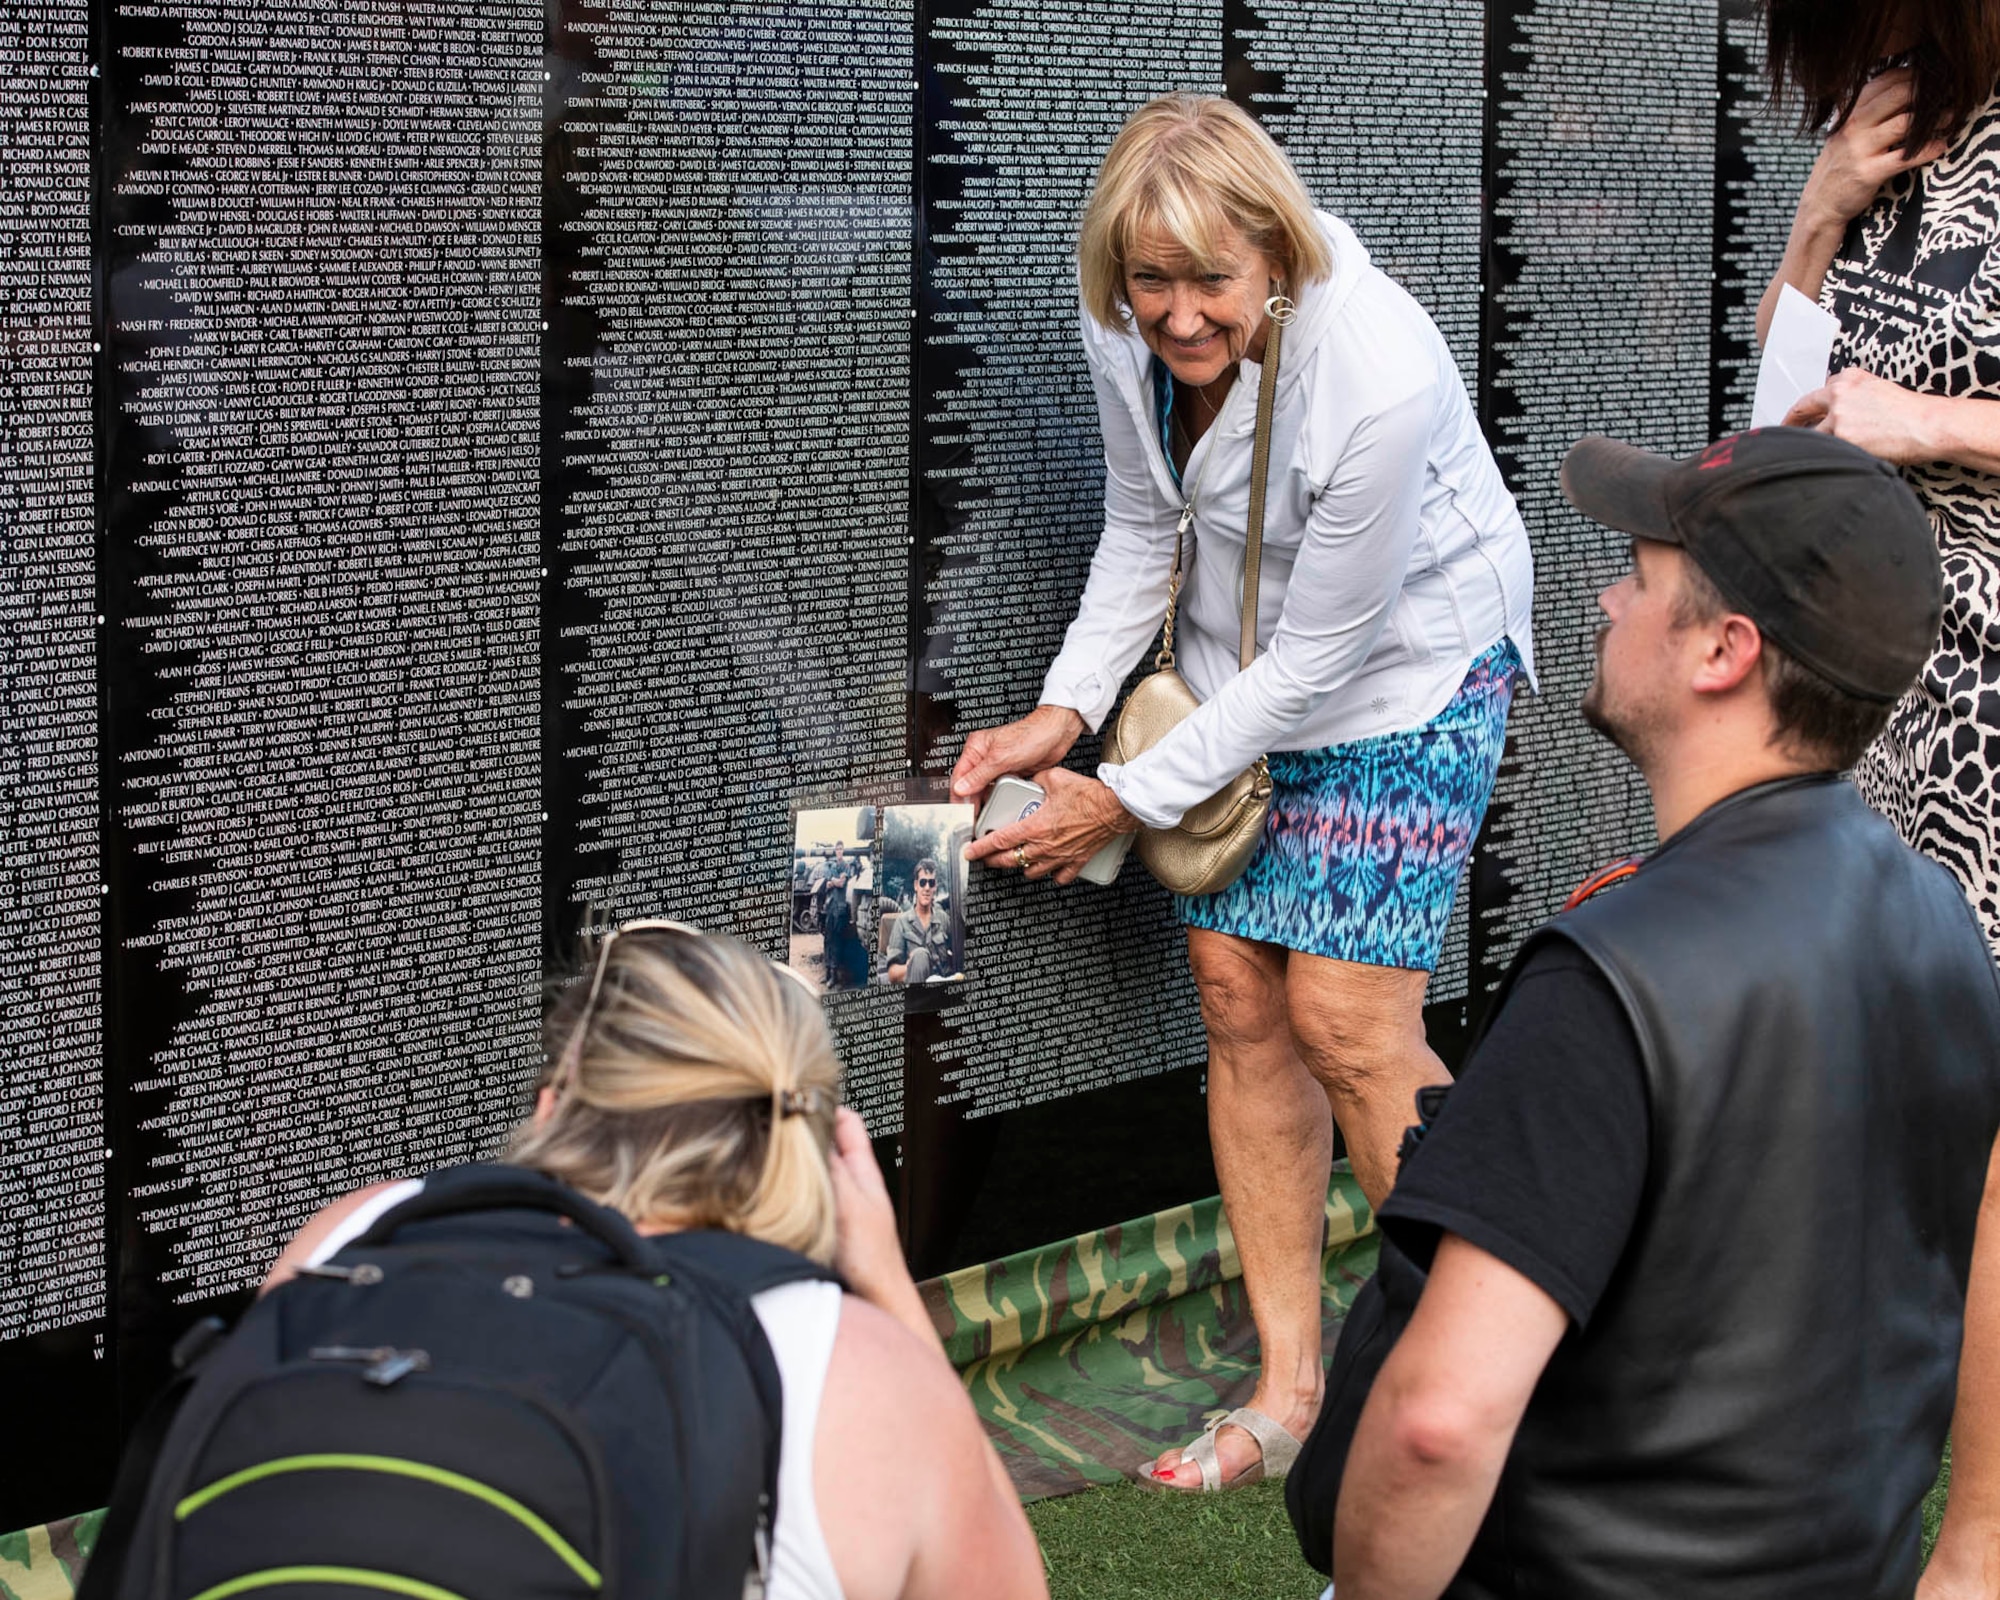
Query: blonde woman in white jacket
<point x="1393" y="619"/>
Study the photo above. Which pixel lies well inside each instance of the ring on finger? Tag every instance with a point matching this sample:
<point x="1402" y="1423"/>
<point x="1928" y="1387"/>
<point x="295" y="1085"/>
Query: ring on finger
<point x="1020" y="855"/>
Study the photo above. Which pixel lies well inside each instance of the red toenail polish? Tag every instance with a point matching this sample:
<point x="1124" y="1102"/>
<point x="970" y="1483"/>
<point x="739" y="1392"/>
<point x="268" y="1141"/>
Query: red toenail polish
<point x="1163" y="1472"/>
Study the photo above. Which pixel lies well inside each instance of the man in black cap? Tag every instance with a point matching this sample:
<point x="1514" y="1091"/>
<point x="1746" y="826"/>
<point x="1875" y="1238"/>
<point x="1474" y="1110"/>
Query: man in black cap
<point x="1672" y="1282"/>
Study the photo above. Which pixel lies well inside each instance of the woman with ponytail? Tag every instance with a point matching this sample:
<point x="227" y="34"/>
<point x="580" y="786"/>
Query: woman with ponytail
<point x="692" y="1084"/>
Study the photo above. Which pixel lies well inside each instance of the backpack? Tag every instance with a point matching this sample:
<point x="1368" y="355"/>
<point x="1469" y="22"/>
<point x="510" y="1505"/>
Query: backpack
<point x="475" y="1400"/>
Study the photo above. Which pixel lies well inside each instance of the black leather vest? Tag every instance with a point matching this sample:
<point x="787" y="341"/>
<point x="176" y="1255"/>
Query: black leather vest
<point x="1758" y="1404"/>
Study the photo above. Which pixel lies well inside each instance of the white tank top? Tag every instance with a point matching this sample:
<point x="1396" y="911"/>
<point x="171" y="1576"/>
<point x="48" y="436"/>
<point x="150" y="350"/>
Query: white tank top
<point x="800" y="1320"/>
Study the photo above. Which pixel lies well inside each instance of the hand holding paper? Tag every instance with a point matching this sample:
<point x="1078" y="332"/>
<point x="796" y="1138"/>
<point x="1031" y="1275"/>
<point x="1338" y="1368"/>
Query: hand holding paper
<point x="1796" y="357"/>
<point x="1883" y="418"/>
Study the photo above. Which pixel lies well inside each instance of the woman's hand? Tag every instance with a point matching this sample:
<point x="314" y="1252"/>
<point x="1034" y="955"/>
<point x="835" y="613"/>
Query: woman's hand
<point x="1079" y="817"/>
<point x="1883" y="418"/>
<point x="972" y="1522"/>
<point x="1039" y="740"/>
<point x="867" y="1251"/>
<point x="1864" y="153"/>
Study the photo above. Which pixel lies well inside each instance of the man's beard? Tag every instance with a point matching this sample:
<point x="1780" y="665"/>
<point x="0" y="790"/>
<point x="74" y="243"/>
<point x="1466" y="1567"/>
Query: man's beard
<point x="1627" y="734"/>
<point x="1623" y="734"/>
<point x="1592" y="710"/>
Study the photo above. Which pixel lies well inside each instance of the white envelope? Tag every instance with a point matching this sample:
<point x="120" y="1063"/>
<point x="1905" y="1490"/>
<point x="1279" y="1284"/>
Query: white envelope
<point x="1796" y="357"/>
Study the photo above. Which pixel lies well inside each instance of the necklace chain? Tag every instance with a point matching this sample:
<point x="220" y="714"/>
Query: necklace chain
<point x="1186" y="423"/>
<point x="1200" y="392"/>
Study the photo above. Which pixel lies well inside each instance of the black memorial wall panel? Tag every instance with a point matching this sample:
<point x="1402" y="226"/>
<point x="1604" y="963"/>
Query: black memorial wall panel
<point x="1012" y="490"/>
<point x="1078" y="989"/>
<point x="1383" y="111"/>
<point x="322" y="570"/>
<point x="54" y="1290"/>
<point x="1601" y="172"/>
<point x="1761" y="164"/>
<point x="534" y="450"/>
<point x="1639" y="192"/>
<point x="728" y="481"/>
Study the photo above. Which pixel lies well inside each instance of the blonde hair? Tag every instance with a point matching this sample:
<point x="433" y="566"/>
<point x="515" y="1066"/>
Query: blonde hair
<point x="695" y="1087"/>
<point x="1193" y="166"/>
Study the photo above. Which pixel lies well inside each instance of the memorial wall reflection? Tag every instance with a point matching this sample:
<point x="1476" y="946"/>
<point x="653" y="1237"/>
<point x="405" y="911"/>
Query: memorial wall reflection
<point x="470" y="468"/>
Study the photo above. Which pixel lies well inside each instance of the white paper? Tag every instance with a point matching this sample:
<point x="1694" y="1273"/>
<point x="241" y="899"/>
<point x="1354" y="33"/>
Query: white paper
<point x="1796" y="357"/>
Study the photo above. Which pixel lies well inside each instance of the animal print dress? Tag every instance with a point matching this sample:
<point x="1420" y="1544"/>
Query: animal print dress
<point x="1917" y="291"/>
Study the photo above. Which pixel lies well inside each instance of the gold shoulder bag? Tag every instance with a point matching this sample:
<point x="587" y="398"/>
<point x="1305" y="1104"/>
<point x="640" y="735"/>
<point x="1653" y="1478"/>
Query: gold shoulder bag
<point x="1215" y="839"/>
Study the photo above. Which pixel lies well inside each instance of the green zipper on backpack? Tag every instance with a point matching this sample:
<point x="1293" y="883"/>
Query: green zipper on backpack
<point x="397" y="1467"/>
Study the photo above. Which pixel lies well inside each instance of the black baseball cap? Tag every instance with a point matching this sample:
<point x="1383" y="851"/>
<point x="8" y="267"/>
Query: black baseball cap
<point x="1820" y="544"/>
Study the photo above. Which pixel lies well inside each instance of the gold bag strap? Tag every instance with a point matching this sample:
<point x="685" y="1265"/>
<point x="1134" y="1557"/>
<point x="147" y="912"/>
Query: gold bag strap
<point x="1280" y="312"/>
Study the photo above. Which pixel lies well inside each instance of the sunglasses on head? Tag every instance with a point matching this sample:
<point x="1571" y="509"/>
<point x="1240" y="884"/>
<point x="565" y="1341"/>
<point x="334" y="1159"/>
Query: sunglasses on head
<point x="792" y="1102"/>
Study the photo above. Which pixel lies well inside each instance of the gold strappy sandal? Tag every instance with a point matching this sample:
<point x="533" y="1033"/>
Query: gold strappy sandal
<point x="1278" y="1450"/>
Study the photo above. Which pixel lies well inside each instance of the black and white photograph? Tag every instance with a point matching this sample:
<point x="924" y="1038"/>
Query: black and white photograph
<point x="833" y="895"/>
<point x="922" y="902"/>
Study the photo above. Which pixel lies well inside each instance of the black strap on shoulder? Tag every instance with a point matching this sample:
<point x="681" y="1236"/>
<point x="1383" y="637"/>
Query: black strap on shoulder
<point x="105" y="1569"/>
<point x="492" y="1187"/>
<point x="746" y="1266"/>
<point x="104" y="1572"/>
<point x="726" y="1269"/>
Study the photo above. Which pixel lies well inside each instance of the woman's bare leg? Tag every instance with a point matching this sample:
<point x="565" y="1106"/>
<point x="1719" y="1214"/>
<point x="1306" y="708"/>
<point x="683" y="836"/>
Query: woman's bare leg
<point x="1273" y="1145"/>
<point x="1360" y="1032"/>
<point x="1290" y="1037"/>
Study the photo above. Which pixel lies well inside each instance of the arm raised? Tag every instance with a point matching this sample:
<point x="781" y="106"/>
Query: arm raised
<point x="1859" y="156"/>
<point x="915" y="1503"/>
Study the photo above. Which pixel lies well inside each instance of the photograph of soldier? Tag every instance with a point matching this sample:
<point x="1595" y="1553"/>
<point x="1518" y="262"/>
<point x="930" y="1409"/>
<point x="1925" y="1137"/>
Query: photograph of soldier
<point x="833" y="895"/>
<point x="921" y="936"/>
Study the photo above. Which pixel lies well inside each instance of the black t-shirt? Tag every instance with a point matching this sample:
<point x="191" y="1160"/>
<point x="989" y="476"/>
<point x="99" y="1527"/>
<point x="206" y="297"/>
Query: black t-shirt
<point x="1538" y="1158"/>
<point x="1539" y="1155"/>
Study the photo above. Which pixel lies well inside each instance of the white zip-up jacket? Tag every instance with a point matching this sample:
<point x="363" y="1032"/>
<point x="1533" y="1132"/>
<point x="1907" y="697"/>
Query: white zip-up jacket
<point x="1393" y="553"/>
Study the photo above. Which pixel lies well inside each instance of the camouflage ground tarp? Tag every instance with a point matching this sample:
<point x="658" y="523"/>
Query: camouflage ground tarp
<point x="1085" y="1359"/>
<point x="42" y="1563"/>
<point x="1088" y="1358"/>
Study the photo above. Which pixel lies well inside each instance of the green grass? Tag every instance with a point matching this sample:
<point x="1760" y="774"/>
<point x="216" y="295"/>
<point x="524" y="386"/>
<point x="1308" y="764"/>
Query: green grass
<point x="1934" y="1502"/>
<point x="1129" y="1543"/>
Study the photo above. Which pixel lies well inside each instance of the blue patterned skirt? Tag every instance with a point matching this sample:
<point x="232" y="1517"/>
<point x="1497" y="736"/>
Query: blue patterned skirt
<point x="1367" y="840"/>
